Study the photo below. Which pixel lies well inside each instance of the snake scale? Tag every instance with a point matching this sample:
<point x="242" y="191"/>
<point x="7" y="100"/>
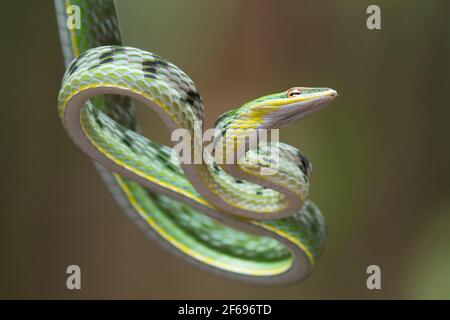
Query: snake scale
<point x="224" y="217"/>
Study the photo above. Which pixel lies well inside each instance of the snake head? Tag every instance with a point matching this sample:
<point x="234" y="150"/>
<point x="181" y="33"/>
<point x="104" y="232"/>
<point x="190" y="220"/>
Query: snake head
<point x="280" y="109"/>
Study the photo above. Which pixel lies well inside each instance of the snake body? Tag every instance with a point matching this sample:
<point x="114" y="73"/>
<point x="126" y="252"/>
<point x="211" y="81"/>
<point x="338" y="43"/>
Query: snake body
<point x="226" y="218"/>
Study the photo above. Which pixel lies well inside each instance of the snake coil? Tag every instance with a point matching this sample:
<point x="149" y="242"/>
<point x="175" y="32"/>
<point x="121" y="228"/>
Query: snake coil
<point x="227" y="219"/>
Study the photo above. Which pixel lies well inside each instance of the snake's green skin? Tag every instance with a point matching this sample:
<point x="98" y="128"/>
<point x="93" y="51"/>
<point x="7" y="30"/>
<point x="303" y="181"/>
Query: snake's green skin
<point x="228" y="219"/>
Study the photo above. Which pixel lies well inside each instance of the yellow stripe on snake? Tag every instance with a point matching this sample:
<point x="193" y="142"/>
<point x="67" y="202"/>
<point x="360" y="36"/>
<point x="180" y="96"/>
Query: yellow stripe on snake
<point x="226" y="217"/>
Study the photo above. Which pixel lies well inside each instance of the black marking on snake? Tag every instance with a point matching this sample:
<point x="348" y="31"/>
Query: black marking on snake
<point x="125" y="139"/>
<point x="149" y="69"/>
<point x="97" y="119"/>
<point x="216" y="167"/>
<point x="99" y="122"/>
<point x="197" y="100"/>
<point x="154" y="63"/>
<point x="160" y="61"/>
<point x="106" y="60"/>
<point x="94" y="66"/>
<point x="238" y="181"/>
<point x="304" y="165"/>
<point x="194" y="95"/>
<point x="259" y="192"/>
<point x="171" y="167"/>
<point x="127" y="136"/>
<point x="160" y="157"/>
<point x="163" y="63"/>
<point x="149" y="63"/>
<point x="194" y="100"/>
<point x="72" y="68"/>
<point x="107" y="54"/>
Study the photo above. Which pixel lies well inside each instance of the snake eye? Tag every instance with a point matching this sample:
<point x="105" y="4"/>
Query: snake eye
<point x="294" y="92"/>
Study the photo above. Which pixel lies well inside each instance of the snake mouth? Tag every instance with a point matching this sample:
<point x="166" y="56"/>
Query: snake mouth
<point x="327" y="93"/>
<point x="304" y="96"/>
<point x="296" y="108"/>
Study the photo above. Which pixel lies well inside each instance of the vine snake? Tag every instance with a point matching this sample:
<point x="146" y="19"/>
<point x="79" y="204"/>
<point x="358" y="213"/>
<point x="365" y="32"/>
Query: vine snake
<point x="225" y="218"/>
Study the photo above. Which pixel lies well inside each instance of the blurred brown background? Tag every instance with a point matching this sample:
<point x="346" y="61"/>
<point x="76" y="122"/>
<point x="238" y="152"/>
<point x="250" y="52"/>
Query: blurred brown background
<point x="380" y="151"/>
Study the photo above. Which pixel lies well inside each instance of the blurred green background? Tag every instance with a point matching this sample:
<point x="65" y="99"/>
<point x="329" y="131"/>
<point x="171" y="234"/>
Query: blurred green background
<point x="380" y="152"/>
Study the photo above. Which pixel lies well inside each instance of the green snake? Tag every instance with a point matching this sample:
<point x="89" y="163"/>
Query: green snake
<point x="226" y="217"/>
